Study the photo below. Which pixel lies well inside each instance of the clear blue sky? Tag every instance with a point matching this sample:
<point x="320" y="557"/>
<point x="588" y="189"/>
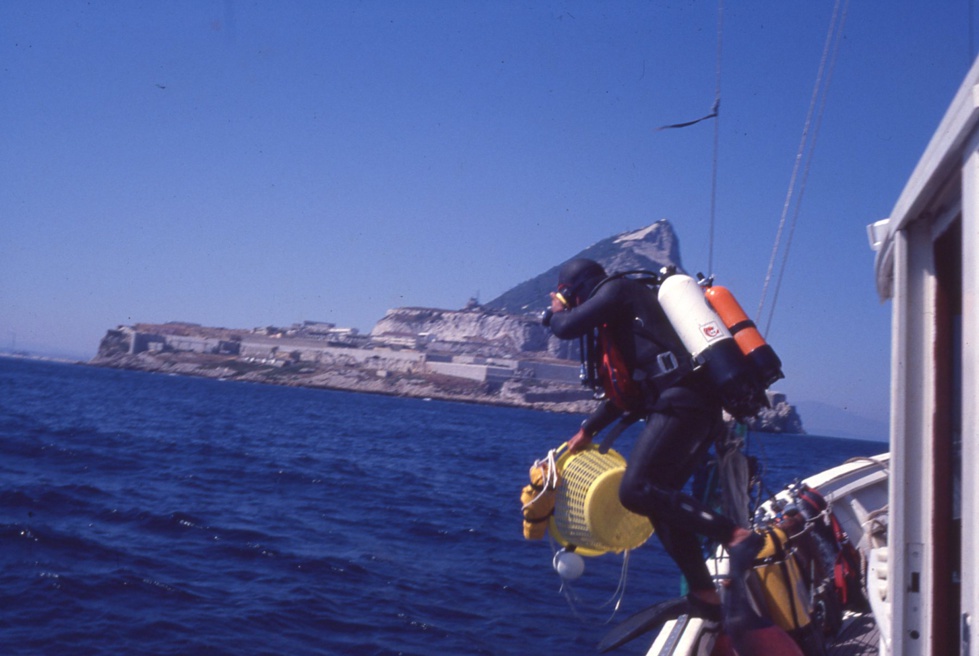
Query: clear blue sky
<point x="243" y="164"/>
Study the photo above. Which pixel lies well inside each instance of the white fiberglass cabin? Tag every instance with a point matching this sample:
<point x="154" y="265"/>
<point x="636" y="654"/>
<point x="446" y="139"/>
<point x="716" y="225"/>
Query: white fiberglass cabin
<point x="926" y="265"/>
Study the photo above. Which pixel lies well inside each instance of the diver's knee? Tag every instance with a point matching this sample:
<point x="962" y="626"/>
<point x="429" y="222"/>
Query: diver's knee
<point x="643" y="498"/>
<point x="632" y="497"/>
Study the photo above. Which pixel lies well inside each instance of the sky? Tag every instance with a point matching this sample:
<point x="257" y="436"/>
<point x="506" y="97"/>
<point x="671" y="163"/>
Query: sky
<point x="246" y="164"/>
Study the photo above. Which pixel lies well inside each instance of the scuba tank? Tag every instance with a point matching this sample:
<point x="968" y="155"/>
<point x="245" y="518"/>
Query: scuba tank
<point x="712" y="346"/>
<point x="761" y="356"/>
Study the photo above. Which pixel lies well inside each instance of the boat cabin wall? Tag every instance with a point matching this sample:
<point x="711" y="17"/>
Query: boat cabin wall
<point x="930" y="257"/>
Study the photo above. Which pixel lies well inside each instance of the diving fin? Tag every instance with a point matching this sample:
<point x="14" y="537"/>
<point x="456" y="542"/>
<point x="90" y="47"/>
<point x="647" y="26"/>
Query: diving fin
<point x="643" y="622"/>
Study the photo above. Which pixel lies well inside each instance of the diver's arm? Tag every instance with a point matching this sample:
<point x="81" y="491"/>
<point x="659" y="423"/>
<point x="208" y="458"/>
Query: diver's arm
<point x="606" y="413"/>
<point x="568" y="323"/>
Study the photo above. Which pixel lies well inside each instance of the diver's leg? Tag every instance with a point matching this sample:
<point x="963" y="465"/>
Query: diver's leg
<point x="670" y="447"/>
<point x="664" y="457"/>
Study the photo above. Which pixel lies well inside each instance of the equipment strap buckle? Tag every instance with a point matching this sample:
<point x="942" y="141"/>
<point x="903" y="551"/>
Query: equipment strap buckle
<point x="667" y="362"/>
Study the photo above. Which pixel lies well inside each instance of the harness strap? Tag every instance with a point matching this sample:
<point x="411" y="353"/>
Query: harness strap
<point x="840" y="571"/>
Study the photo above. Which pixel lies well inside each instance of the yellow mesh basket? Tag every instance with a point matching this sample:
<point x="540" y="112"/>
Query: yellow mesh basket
<point x="587" y="512"/>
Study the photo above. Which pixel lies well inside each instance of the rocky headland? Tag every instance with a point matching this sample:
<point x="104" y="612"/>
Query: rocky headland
<point x="494" y="353"/>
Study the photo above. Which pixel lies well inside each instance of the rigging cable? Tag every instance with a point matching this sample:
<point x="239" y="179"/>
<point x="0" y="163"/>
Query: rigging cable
<point x="820" y="91"/>
<point x="717" y="133"/>
<point x="715" y="112"/>
<point x="805" y="176"/>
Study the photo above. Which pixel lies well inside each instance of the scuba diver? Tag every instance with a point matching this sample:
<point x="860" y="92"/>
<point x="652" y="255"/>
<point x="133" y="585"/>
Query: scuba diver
<point x="646" y="373"/>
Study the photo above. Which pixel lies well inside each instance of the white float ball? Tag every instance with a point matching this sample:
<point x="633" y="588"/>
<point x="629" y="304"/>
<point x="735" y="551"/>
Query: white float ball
<point x="568" y="565"/>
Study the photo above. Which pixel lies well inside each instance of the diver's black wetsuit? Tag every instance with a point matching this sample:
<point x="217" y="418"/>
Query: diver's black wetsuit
<point x="682" y="417"/>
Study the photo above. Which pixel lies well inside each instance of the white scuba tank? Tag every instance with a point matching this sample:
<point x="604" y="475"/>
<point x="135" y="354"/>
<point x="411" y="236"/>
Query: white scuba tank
<point x="694" y="320"/>
<point x="711" y="345"/>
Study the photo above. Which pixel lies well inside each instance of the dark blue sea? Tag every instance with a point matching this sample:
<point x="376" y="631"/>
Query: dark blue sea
<point x="151" y="514"/>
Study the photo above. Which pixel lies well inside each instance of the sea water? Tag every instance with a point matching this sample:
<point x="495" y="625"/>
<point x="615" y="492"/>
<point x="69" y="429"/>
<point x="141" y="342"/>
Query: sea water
<point x="151" y="514"/>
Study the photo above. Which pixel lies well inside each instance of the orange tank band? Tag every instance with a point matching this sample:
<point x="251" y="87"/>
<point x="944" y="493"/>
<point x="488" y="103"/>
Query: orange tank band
<point x="748" y="340"/>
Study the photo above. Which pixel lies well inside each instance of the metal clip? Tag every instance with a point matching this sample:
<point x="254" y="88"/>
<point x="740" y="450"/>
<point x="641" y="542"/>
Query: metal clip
<point x="667" y="362"/>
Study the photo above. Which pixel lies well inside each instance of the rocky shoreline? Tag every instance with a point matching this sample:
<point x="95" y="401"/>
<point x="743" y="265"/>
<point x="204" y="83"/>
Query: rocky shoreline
<point x="528" y="394"/>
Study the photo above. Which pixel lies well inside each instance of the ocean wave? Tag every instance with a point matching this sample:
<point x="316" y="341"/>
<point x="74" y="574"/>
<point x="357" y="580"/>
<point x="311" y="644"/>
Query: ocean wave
<point x="165" y="515"/>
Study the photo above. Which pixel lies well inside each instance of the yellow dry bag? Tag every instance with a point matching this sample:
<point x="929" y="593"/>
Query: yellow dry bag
<point x="538" y="498"/>
<point x="782" y="582"/>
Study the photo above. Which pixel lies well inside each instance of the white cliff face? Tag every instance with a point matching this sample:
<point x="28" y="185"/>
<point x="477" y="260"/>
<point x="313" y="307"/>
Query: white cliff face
<point x="654" y="244"/>
<point x="508" y="325"/>
<point x="472" y="331"/>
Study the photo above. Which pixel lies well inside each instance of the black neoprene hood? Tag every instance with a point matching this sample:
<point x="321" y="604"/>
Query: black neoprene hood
<point x="578" y="277"/>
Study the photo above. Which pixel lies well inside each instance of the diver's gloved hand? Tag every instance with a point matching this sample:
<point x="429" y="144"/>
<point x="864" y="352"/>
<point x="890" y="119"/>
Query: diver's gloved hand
<point x="557" y="303"/>
<point x="580" y="440"/>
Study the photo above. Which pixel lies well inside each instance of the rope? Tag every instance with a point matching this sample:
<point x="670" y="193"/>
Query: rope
<point x="575" y="600"/>
<point x="819" y="93"/>
<point x="715" y="113"/>
<point x="717" y="136"/>
<point x="550" y="479"/>
<point x="619" y="593"/>
<point x="805" y="175"/>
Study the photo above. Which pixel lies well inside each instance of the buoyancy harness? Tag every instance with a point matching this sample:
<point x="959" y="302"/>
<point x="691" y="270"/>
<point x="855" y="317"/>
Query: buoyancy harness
<point x="614" y="376"/>
<point x="659" y="362"/>
<point x="838" y="552"/>
<point x="827" y="611"/>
